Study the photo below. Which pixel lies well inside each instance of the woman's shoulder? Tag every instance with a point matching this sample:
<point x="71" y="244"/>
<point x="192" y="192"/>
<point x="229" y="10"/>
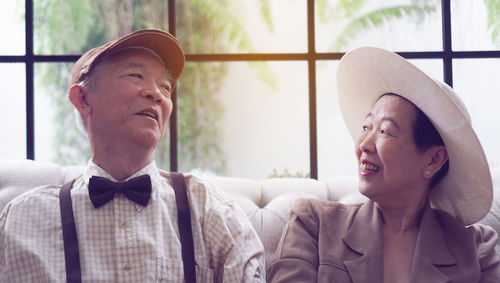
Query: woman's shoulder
<point x="313" y="212"/>
<point x="486" y="237"/>
<point x="306" y="206"/>
<point x="481" y="232"/>
<point x="476" y="239"/>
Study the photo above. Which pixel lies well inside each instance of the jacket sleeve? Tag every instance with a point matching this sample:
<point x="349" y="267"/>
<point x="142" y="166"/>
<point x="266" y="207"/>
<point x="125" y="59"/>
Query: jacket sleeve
<point x="296" y="258"/>
<point x="486" y="240"/>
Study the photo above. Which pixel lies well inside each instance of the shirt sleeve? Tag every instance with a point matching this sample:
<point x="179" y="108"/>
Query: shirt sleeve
<point x="235" y="248"/>
<point x="3" y="263"/>
<point x="296" y="258"/>
<point x="486" y="240"/>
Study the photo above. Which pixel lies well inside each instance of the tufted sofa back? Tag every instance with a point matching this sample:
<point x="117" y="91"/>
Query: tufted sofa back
<point x="266" y="202"/>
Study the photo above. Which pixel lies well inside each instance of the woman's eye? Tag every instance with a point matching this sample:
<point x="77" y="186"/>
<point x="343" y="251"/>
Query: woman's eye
<point x="365" y="128"/>
<point x="139" y="76"/>
<point x="385" y="132"/>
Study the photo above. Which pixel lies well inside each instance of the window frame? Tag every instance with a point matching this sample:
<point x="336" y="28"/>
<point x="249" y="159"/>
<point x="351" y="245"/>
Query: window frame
<point x="311" y="57"/>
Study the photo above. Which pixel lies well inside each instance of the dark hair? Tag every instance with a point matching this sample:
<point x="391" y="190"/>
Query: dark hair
<point x="426" y="135"/>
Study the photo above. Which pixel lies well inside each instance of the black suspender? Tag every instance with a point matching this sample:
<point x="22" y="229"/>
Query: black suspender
<point x="71" y="252"/>
<point x="184" y="220"/>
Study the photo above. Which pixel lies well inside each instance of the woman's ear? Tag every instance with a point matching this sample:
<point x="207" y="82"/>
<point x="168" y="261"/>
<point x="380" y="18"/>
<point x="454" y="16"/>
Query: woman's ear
<point x="437" y="158"/>
<point x="78" y="96"/>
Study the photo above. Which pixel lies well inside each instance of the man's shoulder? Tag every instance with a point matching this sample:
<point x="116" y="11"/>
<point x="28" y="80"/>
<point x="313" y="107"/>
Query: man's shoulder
<point x="45" y="193"/>
<point x="201" y="189"/>
<point x="34" y="206"/>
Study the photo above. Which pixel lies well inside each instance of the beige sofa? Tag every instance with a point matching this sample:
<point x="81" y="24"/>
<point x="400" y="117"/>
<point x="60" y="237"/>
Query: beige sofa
<point x="266" y="202"/>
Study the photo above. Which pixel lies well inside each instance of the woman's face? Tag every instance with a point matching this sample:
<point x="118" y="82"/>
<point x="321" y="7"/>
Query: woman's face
<point x="390" y="165"/>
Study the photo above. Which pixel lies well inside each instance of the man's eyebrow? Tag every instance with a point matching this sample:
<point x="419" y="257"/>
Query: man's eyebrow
<point x="141" y="65"/>
<point x="134" y="65"/>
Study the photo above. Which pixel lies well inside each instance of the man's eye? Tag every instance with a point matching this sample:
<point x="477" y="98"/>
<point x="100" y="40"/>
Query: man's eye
<point x="139" y="76"/>
<point x="167" y="88"/>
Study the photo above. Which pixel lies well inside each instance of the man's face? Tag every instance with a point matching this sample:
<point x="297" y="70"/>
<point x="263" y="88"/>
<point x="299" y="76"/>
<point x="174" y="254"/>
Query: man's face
<point x="131" y="101"/>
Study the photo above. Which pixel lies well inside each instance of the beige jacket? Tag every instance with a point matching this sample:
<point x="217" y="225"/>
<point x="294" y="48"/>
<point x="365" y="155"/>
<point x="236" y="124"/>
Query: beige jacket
<point x="325" y="241"/>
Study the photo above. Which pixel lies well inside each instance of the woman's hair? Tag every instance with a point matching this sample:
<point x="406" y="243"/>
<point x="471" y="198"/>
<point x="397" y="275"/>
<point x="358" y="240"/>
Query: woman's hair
<point x="425" y="135"/>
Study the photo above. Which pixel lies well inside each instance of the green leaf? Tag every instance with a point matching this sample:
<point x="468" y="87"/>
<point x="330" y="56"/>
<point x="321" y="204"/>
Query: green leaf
<point x="378" y="18"/>
<point x="265" y="11"/>
<point x="493" y="21"/>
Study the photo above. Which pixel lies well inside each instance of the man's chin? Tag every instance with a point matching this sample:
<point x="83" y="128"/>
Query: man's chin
<point x="148" y="138"/>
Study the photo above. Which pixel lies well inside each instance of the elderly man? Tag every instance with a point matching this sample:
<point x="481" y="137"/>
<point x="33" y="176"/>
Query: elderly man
<point x="123" y="219"/>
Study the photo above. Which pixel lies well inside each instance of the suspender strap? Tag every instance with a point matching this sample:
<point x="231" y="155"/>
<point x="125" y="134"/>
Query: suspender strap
<point x="184" y="219"/>
<point x="73" y="272"/>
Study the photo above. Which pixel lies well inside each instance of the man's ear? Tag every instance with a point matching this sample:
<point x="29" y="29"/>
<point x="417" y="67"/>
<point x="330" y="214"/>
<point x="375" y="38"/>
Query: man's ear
<point x="78" y="96"/>
<point x="438" y="157"/>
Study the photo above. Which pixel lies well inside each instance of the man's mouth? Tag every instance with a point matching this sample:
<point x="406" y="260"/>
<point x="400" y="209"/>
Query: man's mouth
<point x="368" y="167"/>
<point x="149" y="113"/>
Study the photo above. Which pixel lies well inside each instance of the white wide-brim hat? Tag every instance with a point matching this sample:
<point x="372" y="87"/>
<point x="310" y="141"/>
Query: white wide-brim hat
<point x="366" y="73"/>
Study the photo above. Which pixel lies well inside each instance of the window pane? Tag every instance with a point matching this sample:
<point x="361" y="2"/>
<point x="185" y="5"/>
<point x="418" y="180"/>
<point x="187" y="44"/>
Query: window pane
<point x="432" y="67"/>
<point x="470" y="21"/>
<point x="13" y="114"/>
<point x="335" y="145"/>
<point x="57" y="138"/>
<point x="402" y="25"/>
<point x="244" y="120"/>
<point x="221" y="26"/>
<point x="12" y="27"/>
<point x="74" y="26"/>
<point x="479" y="90"/>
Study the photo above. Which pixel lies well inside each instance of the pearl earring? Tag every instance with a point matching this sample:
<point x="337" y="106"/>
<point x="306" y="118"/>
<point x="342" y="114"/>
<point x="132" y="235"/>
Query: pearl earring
<point x="427" y="173"/>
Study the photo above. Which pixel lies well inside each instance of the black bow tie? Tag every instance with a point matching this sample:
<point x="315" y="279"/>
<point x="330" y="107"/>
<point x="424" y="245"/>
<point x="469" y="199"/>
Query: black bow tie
<point x="102" y="190"/>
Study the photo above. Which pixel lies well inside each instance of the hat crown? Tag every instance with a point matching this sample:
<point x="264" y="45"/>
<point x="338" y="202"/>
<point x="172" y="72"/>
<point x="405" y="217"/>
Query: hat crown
<point x="161" y="42"/>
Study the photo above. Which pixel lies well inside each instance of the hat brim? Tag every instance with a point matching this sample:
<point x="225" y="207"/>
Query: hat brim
<point x="366" y="73"/>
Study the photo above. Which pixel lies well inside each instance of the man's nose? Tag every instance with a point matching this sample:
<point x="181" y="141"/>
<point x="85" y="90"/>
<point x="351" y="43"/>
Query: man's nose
<point x="153" y="92"/>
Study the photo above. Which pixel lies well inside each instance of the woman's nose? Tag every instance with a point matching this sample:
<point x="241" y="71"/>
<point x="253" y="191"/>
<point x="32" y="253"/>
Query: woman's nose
<point x="367" y="142"/>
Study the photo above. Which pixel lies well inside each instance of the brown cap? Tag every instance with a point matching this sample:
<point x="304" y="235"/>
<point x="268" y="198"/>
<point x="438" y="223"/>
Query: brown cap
<point x="161" y="42"/>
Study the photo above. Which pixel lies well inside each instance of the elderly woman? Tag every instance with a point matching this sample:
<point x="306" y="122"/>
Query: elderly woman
<point x="426" y="178"/>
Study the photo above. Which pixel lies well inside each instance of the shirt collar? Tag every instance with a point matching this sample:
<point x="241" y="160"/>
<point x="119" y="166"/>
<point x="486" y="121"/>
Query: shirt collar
<point x="94" y="170"/>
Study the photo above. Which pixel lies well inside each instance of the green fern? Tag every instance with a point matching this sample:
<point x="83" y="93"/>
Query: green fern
<point x="375" y="19"/>
<point x="493" y="10"/>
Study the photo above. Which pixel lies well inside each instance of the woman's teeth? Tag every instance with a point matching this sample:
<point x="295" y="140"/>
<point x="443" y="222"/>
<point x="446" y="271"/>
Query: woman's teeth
<point x="365" y="167"/>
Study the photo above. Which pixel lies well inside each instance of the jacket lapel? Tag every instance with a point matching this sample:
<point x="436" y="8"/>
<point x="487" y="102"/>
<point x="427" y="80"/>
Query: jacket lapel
<point x="431" y="251"/>
<point x="365" y="238"/>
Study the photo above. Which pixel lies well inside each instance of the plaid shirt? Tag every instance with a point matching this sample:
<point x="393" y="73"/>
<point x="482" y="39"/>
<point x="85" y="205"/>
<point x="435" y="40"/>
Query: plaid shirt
<point x="125" y="242"/>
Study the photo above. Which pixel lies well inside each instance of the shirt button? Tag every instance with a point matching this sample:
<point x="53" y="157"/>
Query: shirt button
<point x="124" y="225"/>
<point x="127" y="267"/>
